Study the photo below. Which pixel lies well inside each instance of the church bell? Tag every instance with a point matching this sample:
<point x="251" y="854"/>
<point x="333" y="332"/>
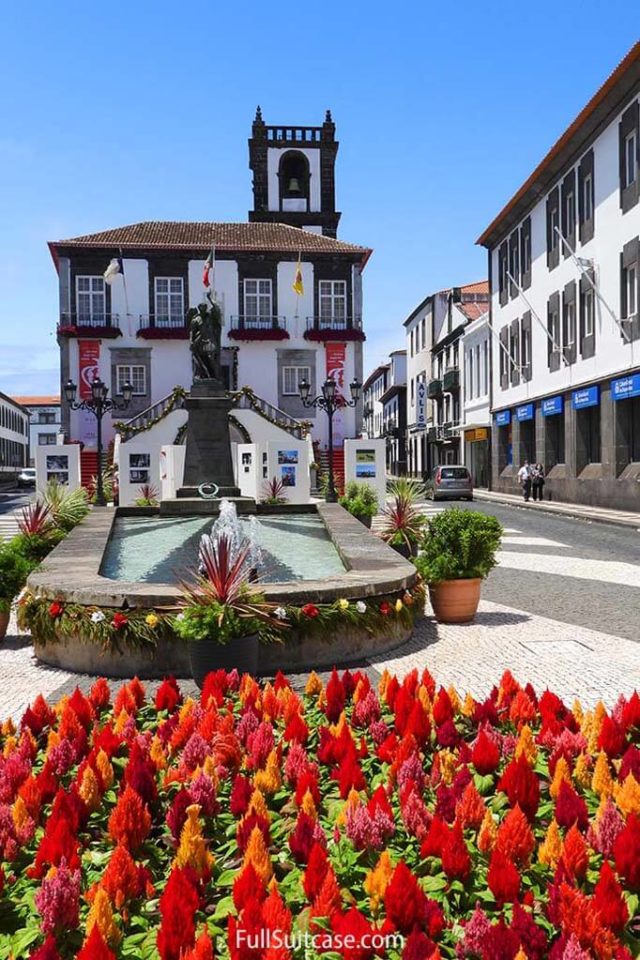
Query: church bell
<point x="294" y="185"/>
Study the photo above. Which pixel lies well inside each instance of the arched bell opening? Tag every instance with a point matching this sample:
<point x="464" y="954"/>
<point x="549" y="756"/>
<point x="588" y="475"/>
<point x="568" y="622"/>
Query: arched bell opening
<point x="294" y="177"/>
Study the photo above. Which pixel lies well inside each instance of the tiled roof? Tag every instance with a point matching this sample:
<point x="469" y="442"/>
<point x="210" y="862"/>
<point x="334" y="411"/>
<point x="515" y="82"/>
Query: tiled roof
<point x="481" y="286"/>
<point x="473" y="310"/>
<point x="200" y="236"/>
<point x="38" y="401"/>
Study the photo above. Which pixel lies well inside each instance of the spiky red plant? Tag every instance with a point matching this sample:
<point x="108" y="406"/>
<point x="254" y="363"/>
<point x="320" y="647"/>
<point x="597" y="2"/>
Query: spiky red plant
<point x="35" y="519"/>
<point x="273" y="491"/>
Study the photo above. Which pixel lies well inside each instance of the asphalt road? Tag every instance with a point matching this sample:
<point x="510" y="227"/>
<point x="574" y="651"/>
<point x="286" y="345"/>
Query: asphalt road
<point x="587" y="574"/>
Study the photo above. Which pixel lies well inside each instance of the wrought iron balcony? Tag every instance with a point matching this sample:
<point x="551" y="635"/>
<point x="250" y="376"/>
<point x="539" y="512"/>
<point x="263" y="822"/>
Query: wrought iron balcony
<point x="249" y="327"/>
<point x="89" y="325"/>
<point x="157" y="326"/>
<point x="451" y="379"/>
<point x="434" y="389"/>
<point x="450" y="429"/>
<point x="334" y="328"/>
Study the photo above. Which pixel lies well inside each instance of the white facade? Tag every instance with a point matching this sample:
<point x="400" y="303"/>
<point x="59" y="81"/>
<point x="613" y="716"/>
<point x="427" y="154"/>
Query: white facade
<point x="475" y="428"/>
<point x="373" y="388"/>
<point x="45" y="423"/>
<point x="418" y="330"/>
<point x="14" y="437"/>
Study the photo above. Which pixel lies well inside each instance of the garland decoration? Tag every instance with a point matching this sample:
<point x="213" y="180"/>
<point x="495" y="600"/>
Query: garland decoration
<point x="174" y="402"/>
<point x="248" y="392"/>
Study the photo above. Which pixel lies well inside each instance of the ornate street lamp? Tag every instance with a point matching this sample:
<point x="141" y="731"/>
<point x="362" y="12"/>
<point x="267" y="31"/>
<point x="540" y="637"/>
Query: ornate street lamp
<point x="99" y="404"/>
<point x="330" y="400"/>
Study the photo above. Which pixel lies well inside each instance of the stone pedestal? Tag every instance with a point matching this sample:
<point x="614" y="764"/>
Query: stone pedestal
<point x="208" y="447"/>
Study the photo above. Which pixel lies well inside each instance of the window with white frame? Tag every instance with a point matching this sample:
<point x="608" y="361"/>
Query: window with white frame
<point x="588" y="312"/>
<point x="169" y="301"/>
<point x="133" y="373"/>
<point x="630" y="161"/>
<point x="570" y="324"/>
<point x="90" y="300"/>
<point x="485" y="369"/>
<point x="46" y="439"/>
<point x="525" y="347"/>
<point x="332" y="297"/>
<point x="258" y="308"/>
<point x="632" y="286"/>
<point x="587" y="197"/>
<point x="555" y="226"/>
<point x="291" y="377"/>
<point x="470" y="355"/>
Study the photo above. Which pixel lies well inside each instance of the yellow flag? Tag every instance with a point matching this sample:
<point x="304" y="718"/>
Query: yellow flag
<point x="297" y="285"/>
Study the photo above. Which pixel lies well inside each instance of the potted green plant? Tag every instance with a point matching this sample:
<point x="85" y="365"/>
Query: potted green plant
<point x="403" y="520"/>
<point x="460" y="548"/>
<point x="273" y="492"/>
<point x="222" y="614"/>
<point x="361" y="500"/>
<point x="14" y="570"/>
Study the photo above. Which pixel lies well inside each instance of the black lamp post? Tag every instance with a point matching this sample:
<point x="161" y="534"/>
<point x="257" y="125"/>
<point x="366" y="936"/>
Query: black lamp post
<point x="329" y="400"/>
<point x="99" y="404"/>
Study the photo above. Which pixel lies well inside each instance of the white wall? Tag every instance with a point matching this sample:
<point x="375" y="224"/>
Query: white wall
<point x="274" y="155"/>
<point x="171" y="470"/>
<point x="475" y="408"/>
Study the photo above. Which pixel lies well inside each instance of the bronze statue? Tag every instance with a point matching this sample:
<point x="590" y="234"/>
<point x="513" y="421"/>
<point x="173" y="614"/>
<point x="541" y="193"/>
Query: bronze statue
<point x="205" y="330"/>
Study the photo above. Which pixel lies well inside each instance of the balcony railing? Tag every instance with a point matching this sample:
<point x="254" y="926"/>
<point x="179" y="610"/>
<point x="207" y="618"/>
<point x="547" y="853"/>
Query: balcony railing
<point x="450" y="429"/>
<point x="89" y="324"/>
<point x="157" y="326"/>
<point x="434" y="389"/>
<point x="451" y="379"/>
<point x="334" y="323"/>
<point x="246" y="322"/>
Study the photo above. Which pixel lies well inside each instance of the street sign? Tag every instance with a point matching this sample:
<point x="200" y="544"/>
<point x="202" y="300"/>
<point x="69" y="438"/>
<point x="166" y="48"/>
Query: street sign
<point x="421" y="403"/>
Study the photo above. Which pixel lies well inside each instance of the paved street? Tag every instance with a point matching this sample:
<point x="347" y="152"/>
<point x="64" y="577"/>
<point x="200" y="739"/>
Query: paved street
<point x="11" y="503"/>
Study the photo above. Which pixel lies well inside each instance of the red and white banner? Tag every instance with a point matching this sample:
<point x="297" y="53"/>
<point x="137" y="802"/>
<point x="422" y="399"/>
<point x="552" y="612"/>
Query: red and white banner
<point x="88" y="359"/>
<point x="336" y="354"/>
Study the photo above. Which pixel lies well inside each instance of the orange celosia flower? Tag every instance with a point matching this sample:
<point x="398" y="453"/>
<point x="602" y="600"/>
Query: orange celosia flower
<point x="471" y="808"/>
<point x="574" y="854"/>
<point x="20" y="814"/>
<point x="203" y="949"/>
<point x="192" y="850"/>
<point x="562" y="775"/>
<point x="520" y="955"/>
<point x="352" y="803"/>
<point x="308" y="805"/>
<point x="522" y="709"/>
<point x="104" y="768"/>
<point x="209" y="769"/>
<point x="269" y="779"/>
<point x="89" y="790"/>
<point x="515" y="838"/>
<point x="157" y="753"/>
<point x="425" y="700"/>
<point x="10" y="745"/>
<point x="488" y="833"/>
<point x="258" y="806"/>
<point x="53" y="739"/>
<point x="578" y="712"/>
<point x="448" y="765"/>
<point x="581" y="918"/>
<point x="121" y="879"/>
<point x="8" y="728"/>
<point x="582" y="772"/>
<point x="550" y="850"/>
<point x="383" y="683"/>
<point x="627" y="796"/>
<point x="101" y="915"/>
<point x="455" y="699"/>
<point x="122" y="720"/>
<point x="360" y="691"/>
<point x="377" y="880"/>
<point x="130" y="820"/>
<point x="593" y="722"/>
<point x="526" y="747"/>
<point x="257" y="855"/>
<point x="468" y="706"/>
<point x="30" y="793"/>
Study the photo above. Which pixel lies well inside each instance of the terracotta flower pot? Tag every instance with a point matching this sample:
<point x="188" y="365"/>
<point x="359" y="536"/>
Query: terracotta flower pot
<point x="455" y="601"/>
<point x="4" y="623"/>
<point x="207" y="656"/>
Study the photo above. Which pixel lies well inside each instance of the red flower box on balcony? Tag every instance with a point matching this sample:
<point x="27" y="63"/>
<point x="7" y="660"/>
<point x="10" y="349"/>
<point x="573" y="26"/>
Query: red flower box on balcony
<point x="324" y="336"/>
<point x="87" y="332"/>
<point x="269" y="333"/>
<point x="163" y="333"/>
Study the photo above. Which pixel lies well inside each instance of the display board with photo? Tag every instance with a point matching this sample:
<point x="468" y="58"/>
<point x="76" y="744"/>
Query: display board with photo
<point x="139" y="466"/>
<point x="365" y="471"/>
<point x="288" y="476"/>
<point x="58" y="468"/>
<point x="287" y="456"/>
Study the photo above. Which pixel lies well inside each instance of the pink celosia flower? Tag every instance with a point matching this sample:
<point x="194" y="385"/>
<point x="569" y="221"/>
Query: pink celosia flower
<point x="573" y="951"/>
<point x="195" y="752"/>
<point x="58" y="899"/>
<point x="260" y="744"/>
<point x="412" y="771"/>
<point x="366" y="711"/>
<point x="247" y="724"/>
<point x="203" y="792"/>
<point x="602" y="835"/>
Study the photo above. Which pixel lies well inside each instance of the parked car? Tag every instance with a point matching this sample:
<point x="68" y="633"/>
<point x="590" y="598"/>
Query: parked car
<point x="450" y="482"/>
<point x="27" y="477"/>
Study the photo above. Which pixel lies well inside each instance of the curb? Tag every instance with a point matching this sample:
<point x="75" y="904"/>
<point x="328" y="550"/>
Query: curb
<point x="564" y="511"/>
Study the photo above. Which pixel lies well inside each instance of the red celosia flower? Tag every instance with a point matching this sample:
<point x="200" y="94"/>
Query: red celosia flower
<point x="532" y="937"/>
<point x="296" y="730"/>
<point x="612" y="739"/>
<point x="329" y="900"/>
<point x="626" y="852"/>
<point x="485" y="755"/>
<point x="385" y="608"/>
<point x="178" y="904"/>
<point x="100" y="695"/>
<point x="119" y="620"/>
<point x="56" y="609"/>
<point x="38" y="716"/>
<point x="203" y="949"/>
<point x="48" y="950"/>
<point x="247" y="887"/>
<point x="336" y="696"/>
<point x="579" y="916"/>
<point x="122" y="879"/>
<point x="317" y="867"/>
<point x="95" y="948"/>
<point x="60" y="842"/>
<point x="307" y="832"/>
<point x="130" y="820"/>
<point x="503" y="878"/>
<point x="82" y="708"/>
<point x="310" y="610"/>
<point x="456" y="861"/>
<point x="570" y="808"/>
<point x="353" y="928"/>
<point x="631" y="712"/>
<point x="139" y="774"/>
<point x="240" y="795"/>
<point x="608" y="899"/>
<point x="436" y="839"/>
<point x="442" y="708"/>
<point x="574" y="854"/>
<point x="407" y="906"/>
<point x="168" y="695"/>
<point x="521" y="785"/>
<point x="522" y="709"/>
<point x="515" y="838"/>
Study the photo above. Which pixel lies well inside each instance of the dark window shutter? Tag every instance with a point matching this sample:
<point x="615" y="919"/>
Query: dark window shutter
<point x="525" y="253"/>
<point x="503" y="254"/>
<point x="629" y="257"/>
<point x="587" y="343"/>
<point x="553" y="354"/>
<point x="569" y="299"/>
<point x="629" y="122"/>
<point x="514" y="352"/>
<point x="553" y="241"/>
<point x="514" y="263"/>
<point x="568" y="219"/>
<point x="525" y="361"/>
<point x="504" y="362"/>
<point x="587" y="224"/>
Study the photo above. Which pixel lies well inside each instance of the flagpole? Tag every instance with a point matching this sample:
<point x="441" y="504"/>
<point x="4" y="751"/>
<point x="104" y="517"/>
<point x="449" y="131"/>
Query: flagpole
<point x="126" y="296"/>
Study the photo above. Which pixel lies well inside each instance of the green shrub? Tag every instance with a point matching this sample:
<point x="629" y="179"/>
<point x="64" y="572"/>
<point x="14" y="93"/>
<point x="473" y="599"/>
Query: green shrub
<point x="360" y="499"/>
<point x="66" y="507"/>
<point x="459" y="545"/>
<point x="408" y="490"/>
<point x="14" y="570"/>
<point x="34" y="547"/>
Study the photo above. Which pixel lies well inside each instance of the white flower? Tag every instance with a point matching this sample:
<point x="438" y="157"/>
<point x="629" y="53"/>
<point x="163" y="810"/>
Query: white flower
<point x="180" y="616"/>
<point x="97" y="616"/>
<point x="361" y="606"/>
<point x="280" y="613"/>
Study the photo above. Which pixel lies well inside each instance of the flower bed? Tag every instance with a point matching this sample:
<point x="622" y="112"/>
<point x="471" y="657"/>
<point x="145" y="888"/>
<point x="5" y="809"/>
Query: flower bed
<point x="145" y="827"/>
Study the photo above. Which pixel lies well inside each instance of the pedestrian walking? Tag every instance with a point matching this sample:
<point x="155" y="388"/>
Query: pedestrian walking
<point x="537" y="481"/>
<point x="524" y="478"/>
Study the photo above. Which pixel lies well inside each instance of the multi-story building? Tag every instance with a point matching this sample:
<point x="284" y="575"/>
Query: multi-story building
<point x="45" y="424"/>
<point x="564" y="268"/>
<point x="14" y="437"/>
<point x="135" y="328"/>
<point x="394" y="413"/>
<point x="418" y="332"/>
<point x="372" y="390"/>
<point x="476" y="416"/>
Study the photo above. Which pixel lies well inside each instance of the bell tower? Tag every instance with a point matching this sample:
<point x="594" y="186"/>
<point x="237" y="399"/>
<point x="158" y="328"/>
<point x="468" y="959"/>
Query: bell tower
<point x="294" y="175"/>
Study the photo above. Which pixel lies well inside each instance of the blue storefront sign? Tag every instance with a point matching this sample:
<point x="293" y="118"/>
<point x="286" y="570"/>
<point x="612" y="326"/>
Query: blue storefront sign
<point x="524" y="412"/>
<point x="587" y="397"/>
<point x="552" y="405"/>
<point x="625" y="387"/>
<point x="502" y="418"/>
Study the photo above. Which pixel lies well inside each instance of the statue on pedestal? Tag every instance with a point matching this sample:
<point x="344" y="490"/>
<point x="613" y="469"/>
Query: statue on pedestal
<point x="205" y="331"/>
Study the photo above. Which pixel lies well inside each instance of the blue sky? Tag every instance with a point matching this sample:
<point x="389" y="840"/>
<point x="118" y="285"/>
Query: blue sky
<point x="121" y="112"/>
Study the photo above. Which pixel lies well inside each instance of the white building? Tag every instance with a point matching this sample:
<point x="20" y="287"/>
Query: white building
<point x="564" y="268"/>
<point x="394" y="413"/>
<point x="372" y="390"/>
<point x="14" y="437"/>
<point x="45" y="423"/>
<point x="418" y="332"/>
<point x="135" y="328"/>
<point x="476" y="415"/>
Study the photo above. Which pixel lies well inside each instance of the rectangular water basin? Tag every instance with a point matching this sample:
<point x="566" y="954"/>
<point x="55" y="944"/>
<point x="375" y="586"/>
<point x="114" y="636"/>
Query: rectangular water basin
<point x="165" y="550"/>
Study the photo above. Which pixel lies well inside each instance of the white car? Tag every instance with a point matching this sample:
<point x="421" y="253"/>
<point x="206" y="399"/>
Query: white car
<point x="27" y="477"/>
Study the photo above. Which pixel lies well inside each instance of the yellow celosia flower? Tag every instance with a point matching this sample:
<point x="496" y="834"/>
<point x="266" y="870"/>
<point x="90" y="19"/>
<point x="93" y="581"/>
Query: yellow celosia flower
<point x="152" y="620"/>
<point x="58" y="708"/>
<point x="383" y="683"/>
<point x="526" y="746"/>
<point x="8" y="728"/>
<point x="257" y="855"/>
<point x="157" y="753"/>
<point x="10" y="745"/>
<point x="455" y="699"/>
<point x="562" y="775"/>
<point x="596" y="726"/>
<point x="627" y="795"/>
<point x="377" y="880"/>
<point x="103" y="765"/>
<point x="209" y="768"/>
<point x="121" y="721"/>
<point x="582" y="771"/>
<point x="269" y="780"/>
<point x="314" y="685"/>
<point x="343" y="604"/>
<point x="89" y="790"/>
<point x="602" y="806"/>
<point x="448" y="765"/>
<point x="469" y="706"/>
<point x="258" y="806"/>
<point x="550" y="849"/>
<point x="520" y="955"/>
<point x="487" y="833"/>
<point x="321" y="702"/>
<point x="424" y="700"/>
<point x="578" y="712"/>
<point x="185" y="710"/>
<point x="352" y="801"/>
<point x="19" y="813"/>
<point x="53" y="739"/>
<point x="308" y="805"/>
<point x="339" y="727"/>
<point x="101" y="914"/>
<point x="602" y="784"/>
<point x="192" y="850"/>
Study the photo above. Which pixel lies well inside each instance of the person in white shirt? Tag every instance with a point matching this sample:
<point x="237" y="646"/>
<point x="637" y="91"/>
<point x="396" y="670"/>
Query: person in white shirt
<point x="524" y="478"/>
